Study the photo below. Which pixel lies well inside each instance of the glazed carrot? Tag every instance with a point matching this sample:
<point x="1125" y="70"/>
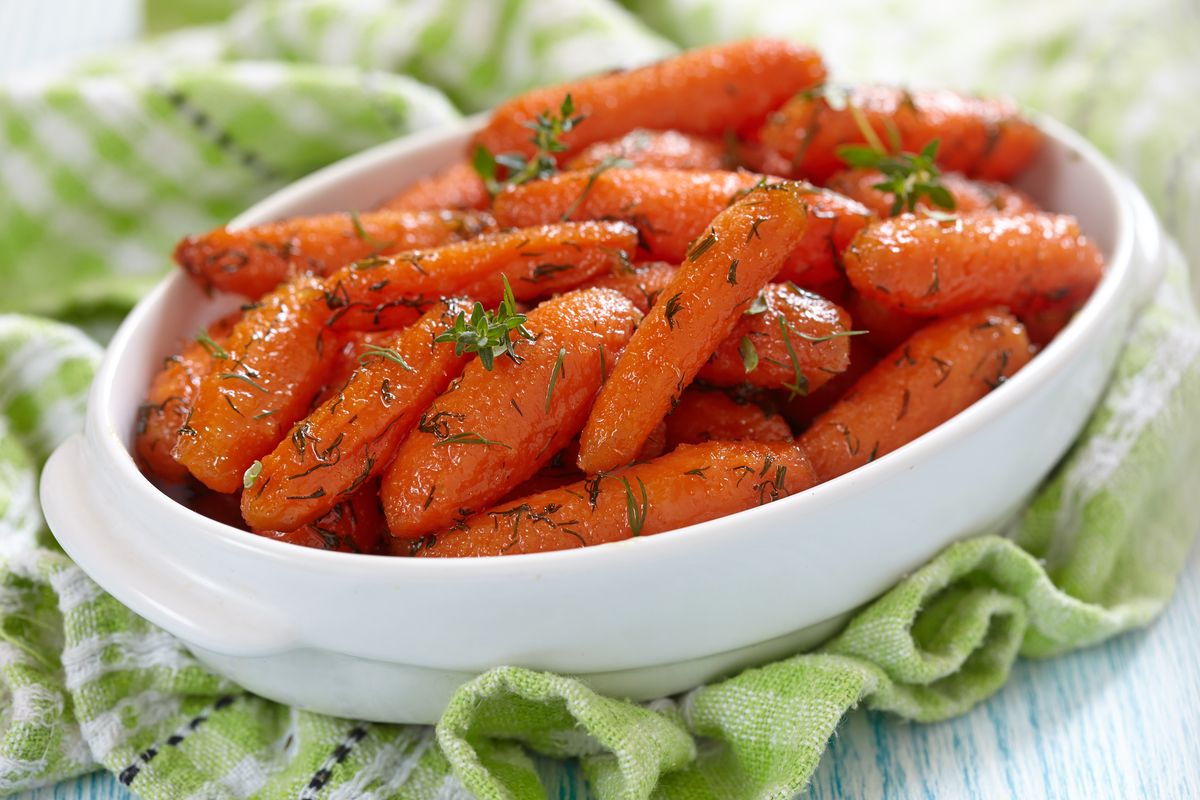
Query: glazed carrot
<point x="355" y="345"/>
<point x="661" y="149"/>
<point x="937" y="373"/>
<point x="969" y="195"/>
<point x="724" y="271"/>
<point x="801" y="410"/>
<point x="498" y="427"/>
<point x="670" y="208"/>
<point x="705" y="415"/>
<point x="457" y="187"/>
<point x="789" y="338"/>
<point x="351" y="438"/>
<point x="983" y="138"/>
<point x="692" y="484"/>
<point x="709" y="91"/>
<point x="538" y="262"/>
<point x="277" y="358"/>
<point x="169" y="402"/>
<point x="642" y="286"/>
<point x="252" y="261"/>
<point x="919" y="265"/>
<point x="353" y="525"/>
<point x="886" y="329"/>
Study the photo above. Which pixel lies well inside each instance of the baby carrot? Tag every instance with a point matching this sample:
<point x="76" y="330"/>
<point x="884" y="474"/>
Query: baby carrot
<point x="355" y="345"/>
<point x="708" y="91"/>
<point x="354" y="524"/>
<point x="169" y="401"/>
<point x="351" y="438"/>
<point x="937" y="373"/>
<point x="499" y="426"/>
<point x="720" y="276"/>
<point x="969" y="195"/>
<point x="692" y="484"/>
<point x="787" y="339"/>
<point x="705" y="415"/>
<point x="983" y="138"/>
<point x="275" y="361"/>
<point x="886" y="329"/>
<point x="642" y="284"/>
<point x="661" y="149"/>
<point x="458" y="187"/>
<point x="925" y="266"/>
<point x="537" y="262"/>
<point x="253" y="261"/>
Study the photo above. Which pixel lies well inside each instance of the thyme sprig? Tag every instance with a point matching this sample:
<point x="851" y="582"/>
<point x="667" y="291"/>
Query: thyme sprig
<point x="489" y="333"/>
<point x="907" y="177"/>
<point x="636" y="511"/>
<point x="548" y="129"/>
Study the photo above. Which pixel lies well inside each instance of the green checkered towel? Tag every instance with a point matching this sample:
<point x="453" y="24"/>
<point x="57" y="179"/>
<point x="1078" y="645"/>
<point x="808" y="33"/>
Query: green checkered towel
<point x="102" y="167"/>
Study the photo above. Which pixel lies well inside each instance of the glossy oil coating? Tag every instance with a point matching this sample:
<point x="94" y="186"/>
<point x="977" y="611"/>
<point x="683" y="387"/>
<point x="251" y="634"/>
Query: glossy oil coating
<point x="982" y="138"/>
<point x="925" y="266"/>
<point x="498" y="427"/>
<point x="691" y="484"/>
<point x="711" y="90"/>
<point x="937" y="373"/>
<point x="711" y="415"/>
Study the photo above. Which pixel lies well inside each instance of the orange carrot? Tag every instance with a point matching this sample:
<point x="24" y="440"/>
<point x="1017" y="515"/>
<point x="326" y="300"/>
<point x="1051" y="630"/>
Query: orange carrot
<point x="538" y="262"/>
<point x="353" y="525"/>
<point x="801" y="410"/>
<point x="968" y="195"/>
<point x="661" y="149"/>
<point x="641" y="286"/>
<point x="458" y="187"/>
<point x="498" y="427"/>
<point x="788" y="339"/>
<point x="705" y="415"/>
<point x="925" y="266"/>
<point x="169" y="401"/>
<point x="670" y="208"/>
<point x="709" y="91"/>
<point x="983" y="138"/>
<point x="692" y="484"/>
<point x="351" y="438"/>
<point x="719" y="278"/>
<point x="937" y="373"/>
<point x="886" y="328"/>
<point x="252" y="261"/>
<point x="277" y="358"/>
<point x="355" y="345"/>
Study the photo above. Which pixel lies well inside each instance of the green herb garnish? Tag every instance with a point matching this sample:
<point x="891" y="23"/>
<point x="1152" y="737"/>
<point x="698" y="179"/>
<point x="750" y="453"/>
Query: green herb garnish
<point x="554" y="373"/>
<point x="489" y="333"/>
<point x="251" y="474"/>
<point x="907" y="177"/>
<point x="361" y="232"/>
<point x="799" y="384"/>
<point x="215" y="350"/>
<point x="608" y="163"/>
<point x="635" y="511"/>
<point x="749" y="354"/>
<point x="548" y="129"/>
<point x="469" y="437"/>
<point x="375" y="351"/>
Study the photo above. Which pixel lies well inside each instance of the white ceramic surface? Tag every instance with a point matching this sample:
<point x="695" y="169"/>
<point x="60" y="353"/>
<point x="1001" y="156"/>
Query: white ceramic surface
<point x="389" y="639"/>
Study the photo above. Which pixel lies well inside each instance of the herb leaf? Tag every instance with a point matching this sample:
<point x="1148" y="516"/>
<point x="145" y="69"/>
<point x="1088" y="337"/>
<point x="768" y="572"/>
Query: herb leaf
<point x="489" y="333"/>
<point x="548" y="129"/>
<point x="375" y="351"/>
<point x="554" y="373"/>
<point x="907" y="177"/>
<point x="214" y="350"/>
<point x="469" y="437"/>
<point x="609" y="162"/>
<point x="799" y="385"/>
<point x="635" y="511"/>
<point x="251" y="474"/>
<point x="749" y="354"/>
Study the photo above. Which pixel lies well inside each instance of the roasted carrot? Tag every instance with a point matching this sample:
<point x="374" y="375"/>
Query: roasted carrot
<point x="252" y="261"/>
<point x="924" y="266"/>
<point x="886" y="328"/>
<point x="801" y="410"/>
<point x="710" y="415"/>
<point x="788" y="339"/>
<point x="968" y="195"/>
<point x="276" y="359"/>
<point x="670" y="208"/>
<point x="983" y="138"/>
<point x="537" y="262"/>
<point x="661" y="149"/>
<point x="641" y="284"/>
<point x="169" y="401"/>
<point x="352" y="437"/>
<point x="499" y="426"/>
<point x="354" y="524"/>
<point x="692" y="484"/>
<point x="938" y="372"/>
<point x="727" y="87"/>
<point x="456" y="187"/>
<point x="720" y="276"/>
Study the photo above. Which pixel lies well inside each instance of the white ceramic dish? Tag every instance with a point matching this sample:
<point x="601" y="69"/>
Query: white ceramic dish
<point x="389" y="639"/>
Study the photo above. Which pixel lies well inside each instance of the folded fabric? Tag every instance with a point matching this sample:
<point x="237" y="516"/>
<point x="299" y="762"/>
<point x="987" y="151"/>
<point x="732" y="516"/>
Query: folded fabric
<point x="102" y="167"/>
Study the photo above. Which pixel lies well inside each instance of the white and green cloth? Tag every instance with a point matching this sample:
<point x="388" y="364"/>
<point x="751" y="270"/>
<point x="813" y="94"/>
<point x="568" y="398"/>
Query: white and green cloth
<point x="103" y="167"/>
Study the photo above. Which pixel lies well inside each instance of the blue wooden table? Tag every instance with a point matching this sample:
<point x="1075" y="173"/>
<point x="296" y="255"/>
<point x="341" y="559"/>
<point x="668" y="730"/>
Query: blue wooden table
<point x="1121" y="720"/>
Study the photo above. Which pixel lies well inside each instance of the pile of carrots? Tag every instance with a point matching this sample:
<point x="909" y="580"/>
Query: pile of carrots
<point x="641" y="301"/>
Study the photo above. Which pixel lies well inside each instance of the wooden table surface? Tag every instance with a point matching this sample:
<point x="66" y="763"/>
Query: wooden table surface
<point x="1121" y="720"/>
